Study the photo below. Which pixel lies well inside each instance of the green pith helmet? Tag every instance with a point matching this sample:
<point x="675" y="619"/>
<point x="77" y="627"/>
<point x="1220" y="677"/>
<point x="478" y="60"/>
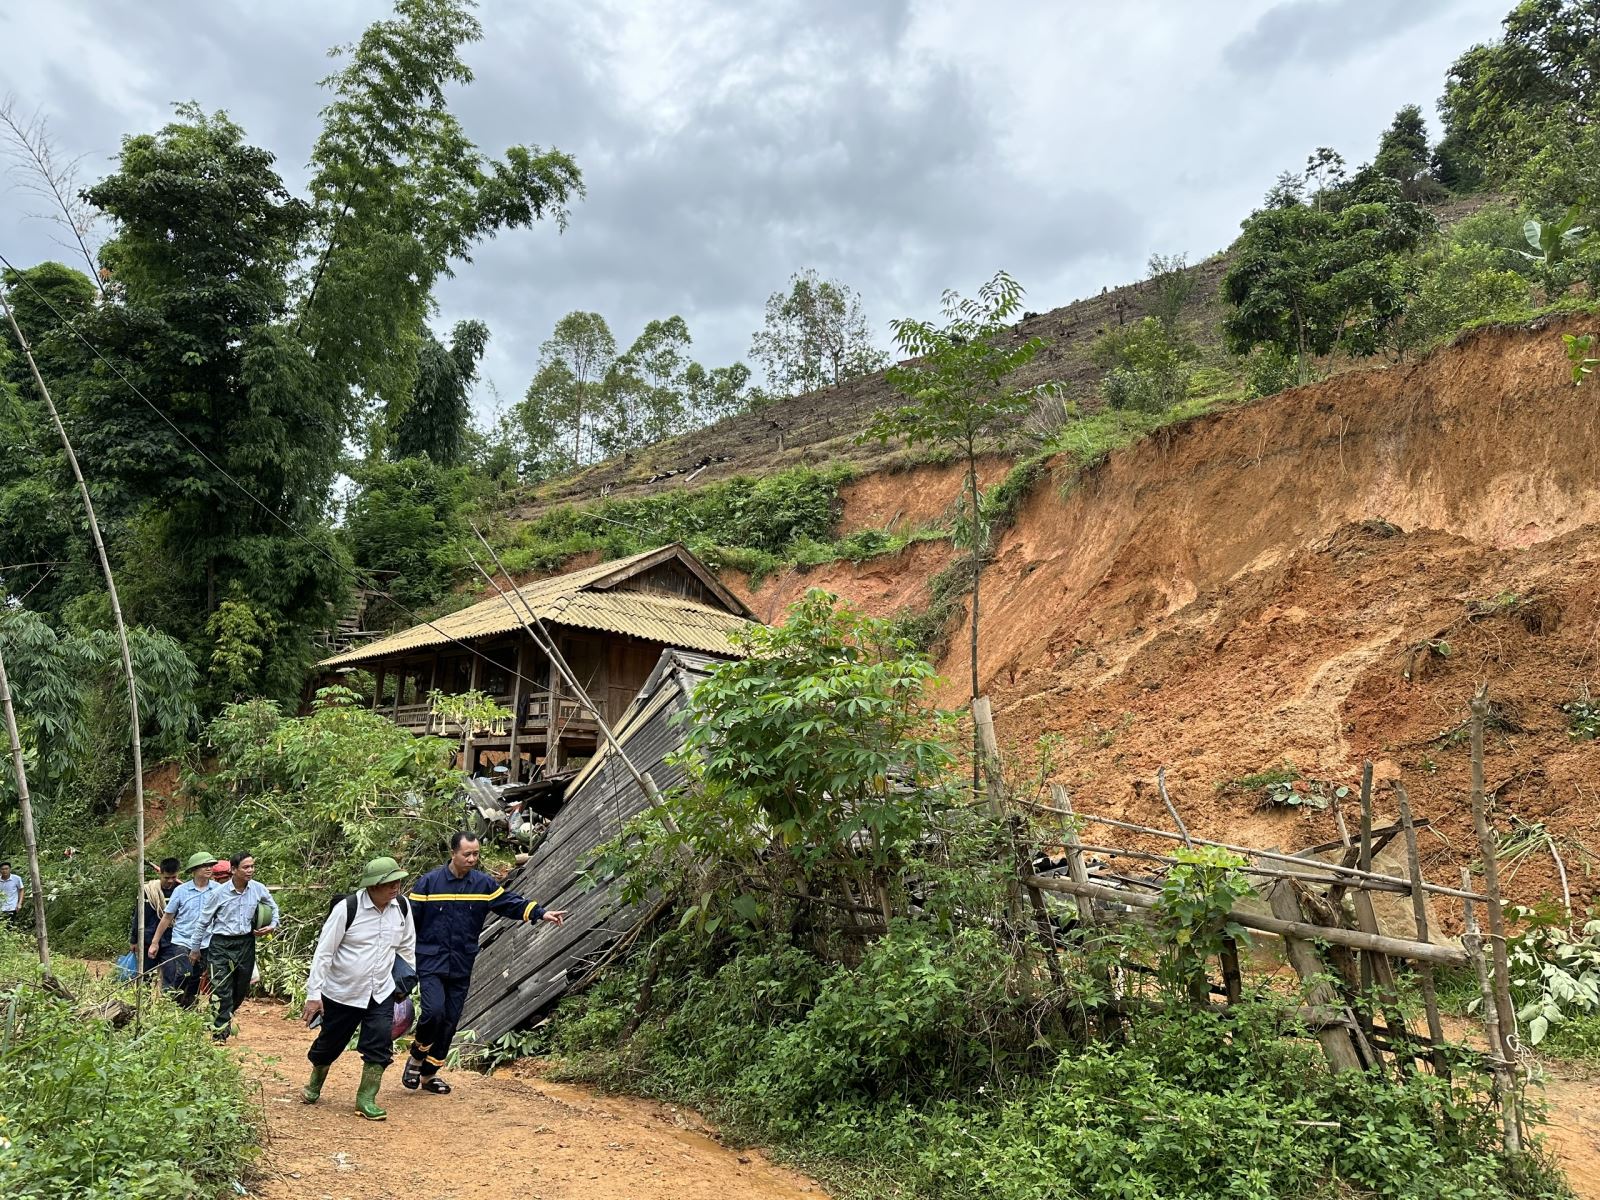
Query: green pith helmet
<point x="381" y="870"/>
<point x="197" y="860"/>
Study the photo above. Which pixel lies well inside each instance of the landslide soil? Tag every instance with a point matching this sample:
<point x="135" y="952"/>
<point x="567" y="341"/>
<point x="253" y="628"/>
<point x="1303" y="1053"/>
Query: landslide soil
<point x="1315" y="579"/>
<point x="508" y="1134"/>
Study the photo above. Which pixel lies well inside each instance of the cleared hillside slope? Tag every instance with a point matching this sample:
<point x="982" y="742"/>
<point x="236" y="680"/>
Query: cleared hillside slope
<point x="1313" y="579"/>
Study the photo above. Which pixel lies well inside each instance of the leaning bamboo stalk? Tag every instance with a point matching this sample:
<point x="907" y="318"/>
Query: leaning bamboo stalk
<point x="121" y="627"/>
<point x="1491" y="876"/>
<point x="994" y="776"/>
<point x="1379" y="971"/>
<point x="1335" y="1040"/>
<point x="1419" y="914"/>
<point x="1381" y="943"/>
<point x="25" y="806"/>
<point x="1306" y="877"/>
<point x="1076" y="868"/>
<point x="1271" y="855"/>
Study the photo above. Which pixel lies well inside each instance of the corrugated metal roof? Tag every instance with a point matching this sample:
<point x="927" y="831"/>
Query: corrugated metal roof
<point x="562" y="600"/>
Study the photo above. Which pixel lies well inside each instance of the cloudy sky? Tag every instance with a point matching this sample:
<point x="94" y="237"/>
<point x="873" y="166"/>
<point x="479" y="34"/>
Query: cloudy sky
<point x="901" y="146"/>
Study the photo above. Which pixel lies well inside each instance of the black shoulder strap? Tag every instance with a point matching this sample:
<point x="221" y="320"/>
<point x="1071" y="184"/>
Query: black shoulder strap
<point x="405" y="907"/>
<point x="349" y="910"/>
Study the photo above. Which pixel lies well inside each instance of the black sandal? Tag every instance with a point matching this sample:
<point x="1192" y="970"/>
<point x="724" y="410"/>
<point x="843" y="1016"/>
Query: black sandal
<point x="412" y="1075"/>
<point x="436" y="1085"/>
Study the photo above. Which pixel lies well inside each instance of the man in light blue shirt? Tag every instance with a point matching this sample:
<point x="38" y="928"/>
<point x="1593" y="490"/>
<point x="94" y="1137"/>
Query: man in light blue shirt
<point x="226" y="935"/>
<point x="180" y="977"/>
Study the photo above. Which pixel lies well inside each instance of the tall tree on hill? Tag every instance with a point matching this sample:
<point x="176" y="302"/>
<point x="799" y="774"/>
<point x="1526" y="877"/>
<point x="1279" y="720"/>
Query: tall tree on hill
<point x="643" y="398"/>
<point x="435" y="420"/>
<point x="1403" y="149"/>
<point x="568" y="390"/>
<point x="1502" y="99"/>
<point x="815" y="336"/>
<point x="1308" y="280"/>
<point x="399" y="194"/>
<point x="197" y="325"/>
<point x="956" y="393"/>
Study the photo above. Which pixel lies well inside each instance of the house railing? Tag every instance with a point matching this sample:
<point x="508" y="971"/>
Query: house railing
<point x="571" y="718"/>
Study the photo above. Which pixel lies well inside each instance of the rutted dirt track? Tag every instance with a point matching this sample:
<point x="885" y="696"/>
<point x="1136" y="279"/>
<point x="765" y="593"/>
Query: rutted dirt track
<point x="510" y="1134"/>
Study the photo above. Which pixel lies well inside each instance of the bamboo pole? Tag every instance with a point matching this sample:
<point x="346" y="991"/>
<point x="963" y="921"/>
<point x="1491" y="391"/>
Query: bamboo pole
<point x="25" y="806"/>
<point x="1172" y="809"/>
<point x="1306" y="877"/>
<point x="122" y="634"/>
<point x="1491" y="876"/>
<point x="989" y="753"/>
<point x="1272" y="855"/>
<point x="1377" y="966"/>
<point x="1336" y="1042"/>
<point x="1504" y="1079"/>
<point x="1419" y="914"/>
<point x="1076" y="867"/>
<point x="1356" y="939"/>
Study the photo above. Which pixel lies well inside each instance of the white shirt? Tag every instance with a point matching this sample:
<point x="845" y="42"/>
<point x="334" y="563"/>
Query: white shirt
<point x="10" y="893"/>
<point x="355" y="966"/>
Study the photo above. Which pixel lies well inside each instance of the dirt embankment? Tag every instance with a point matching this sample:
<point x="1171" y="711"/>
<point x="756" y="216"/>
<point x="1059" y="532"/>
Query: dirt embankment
<point x="1317" y="579"/>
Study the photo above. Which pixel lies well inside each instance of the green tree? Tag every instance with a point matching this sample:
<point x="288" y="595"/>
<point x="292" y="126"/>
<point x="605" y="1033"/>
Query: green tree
<point x="399" y="194"/>
<point x="435" y="420"/>
<point x="1502" y="99"/>
<point x="568" y="391"/>
<point x="1403" y="149"/>
<point x="643" y="400"/>
<point x="406" y="517"/>
<point x="1146" y="365"/>
<point x="210" y="374"/>
<point x="956" y="392"/>
<point x="1311" y="279"/>
<point x="815" y="336"/>
<point x="1175" y="284"/>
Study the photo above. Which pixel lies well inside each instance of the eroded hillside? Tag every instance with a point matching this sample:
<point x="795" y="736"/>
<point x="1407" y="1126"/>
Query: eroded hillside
<point x="1308" y="581"/>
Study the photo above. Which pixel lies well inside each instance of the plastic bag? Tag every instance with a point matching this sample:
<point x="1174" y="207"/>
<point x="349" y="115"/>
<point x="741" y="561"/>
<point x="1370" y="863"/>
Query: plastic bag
<point x="127" y="967"/>
<point x="405" y="1013"/>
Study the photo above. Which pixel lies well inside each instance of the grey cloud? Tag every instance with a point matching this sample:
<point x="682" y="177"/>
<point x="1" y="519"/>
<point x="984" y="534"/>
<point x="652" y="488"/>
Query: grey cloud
<point x="1323" y="32"/>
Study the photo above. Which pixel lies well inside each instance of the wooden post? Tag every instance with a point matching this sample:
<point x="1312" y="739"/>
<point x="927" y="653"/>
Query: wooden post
<point x="989" y="752"/>
<point x="1076" y="870"/>
<point x="552" y="739"/>
<point x="25" y="806"/>
<point x="514" y="765"/>
<point x="1494" y="1034"/>
<point x="467" y="754"/>
<point x="1489" y="850"/>
<point x="1379" y="966"/>
<point x="1419" y="915"/>
<point x="377" y="686"/>
<point x="1335" y="1040"/>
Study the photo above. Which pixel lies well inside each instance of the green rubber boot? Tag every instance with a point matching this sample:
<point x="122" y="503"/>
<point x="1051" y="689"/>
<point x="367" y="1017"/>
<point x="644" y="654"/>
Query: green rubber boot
<point x="367" y="1093"/>
<point x="312" y="1091"/>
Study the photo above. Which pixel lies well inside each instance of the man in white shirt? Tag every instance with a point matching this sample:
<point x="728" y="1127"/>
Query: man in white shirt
<point x="11" y="894"/>
<point x="352" y="981"/>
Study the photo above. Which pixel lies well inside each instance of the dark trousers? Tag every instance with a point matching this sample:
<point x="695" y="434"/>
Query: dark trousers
<point x="339" y="1021"/>
<point x="13" y="918"/>
<point x="180" y="978"/>
<point x="230" y="959"/>
<point x="442" y="998"/>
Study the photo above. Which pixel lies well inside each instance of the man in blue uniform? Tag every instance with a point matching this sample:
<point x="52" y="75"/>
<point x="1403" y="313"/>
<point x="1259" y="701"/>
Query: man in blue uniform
<point x="450" y="905"/>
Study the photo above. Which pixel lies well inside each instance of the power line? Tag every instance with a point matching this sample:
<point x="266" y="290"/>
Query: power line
<point x="361" y="575"/>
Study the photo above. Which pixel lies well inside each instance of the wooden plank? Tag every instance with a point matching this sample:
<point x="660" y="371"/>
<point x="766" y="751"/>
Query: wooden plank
<point x="1336" y="1045"/>
<point x="1419" y="916"/>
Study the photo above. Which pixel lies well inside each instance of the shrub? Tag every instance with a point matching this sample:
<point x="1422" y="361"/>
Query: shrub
<point x="1146" y="365"/>
<point x="88" y="1110"/>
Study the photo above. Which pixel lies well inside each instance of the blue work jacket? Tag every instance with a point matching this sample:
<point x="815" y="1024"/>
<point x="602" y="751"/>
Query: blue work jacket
<point x="450" y="913"/>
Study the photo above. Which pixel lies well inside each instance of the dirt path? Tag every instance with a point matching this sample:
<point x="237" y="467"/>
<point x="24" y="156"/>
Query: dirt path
<point x="508" y="1134"/>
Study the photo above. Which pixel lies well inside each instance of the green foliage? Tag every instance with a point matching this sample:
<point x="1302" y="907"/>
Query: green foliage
<point x="1403" y="150"/>
<point x="1459" y="283"/>
<point x="315" y="797"/>
<point x="815" y="336"/>
<point x="90" y="1112"/>
<point x="399" y="194"/>
<point x="1310" y="278"/>
<point x="434" y="421"/>
<point x="406" y="517"/>
<point x="71" y="701"/>
<point x="1194" y="914"/>
<point x="1147" y="366"/>
<point x="912" y="1073"/>
<point x="1583" y="717"/>
<point x="1554" y="975"/>
<point x="724" y="522"/>
<point x="1175" y="284"/>
<point x="240" y="633"/>
<point x="1577" y="347"/>
<point x="1269" y="370"/>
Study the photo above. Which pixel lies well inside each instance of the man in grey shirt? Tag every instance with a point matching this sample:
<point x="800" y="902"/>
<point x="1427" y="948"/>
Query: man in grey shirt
<point x="11" y="894"/>
<point x="226" y="935"/>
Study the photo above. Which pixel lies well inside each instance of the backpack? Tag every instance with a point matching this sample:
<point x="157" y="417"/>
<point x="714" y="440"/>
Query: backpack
<point x="404" y="975"/>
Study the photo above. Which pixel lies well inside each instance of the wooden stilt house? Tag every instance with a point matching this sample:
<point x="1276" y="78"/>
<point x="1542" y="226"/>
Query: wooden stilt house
<point x="610" y="621"/>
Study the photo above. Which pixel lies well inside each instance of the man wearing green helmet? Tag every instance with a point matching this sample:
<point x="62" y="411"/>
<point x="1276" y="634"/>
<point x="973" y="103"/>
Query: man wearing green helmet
<point x="352" y="984"/>
<point x="180" y="978"/>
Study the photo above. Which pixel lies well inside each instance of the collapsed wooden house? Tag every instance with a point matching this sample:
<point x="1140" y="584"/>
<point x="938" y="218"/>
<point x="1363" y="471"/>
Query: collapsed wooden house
<point x="611" y="622"/>
<point x="522" y="970"/>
